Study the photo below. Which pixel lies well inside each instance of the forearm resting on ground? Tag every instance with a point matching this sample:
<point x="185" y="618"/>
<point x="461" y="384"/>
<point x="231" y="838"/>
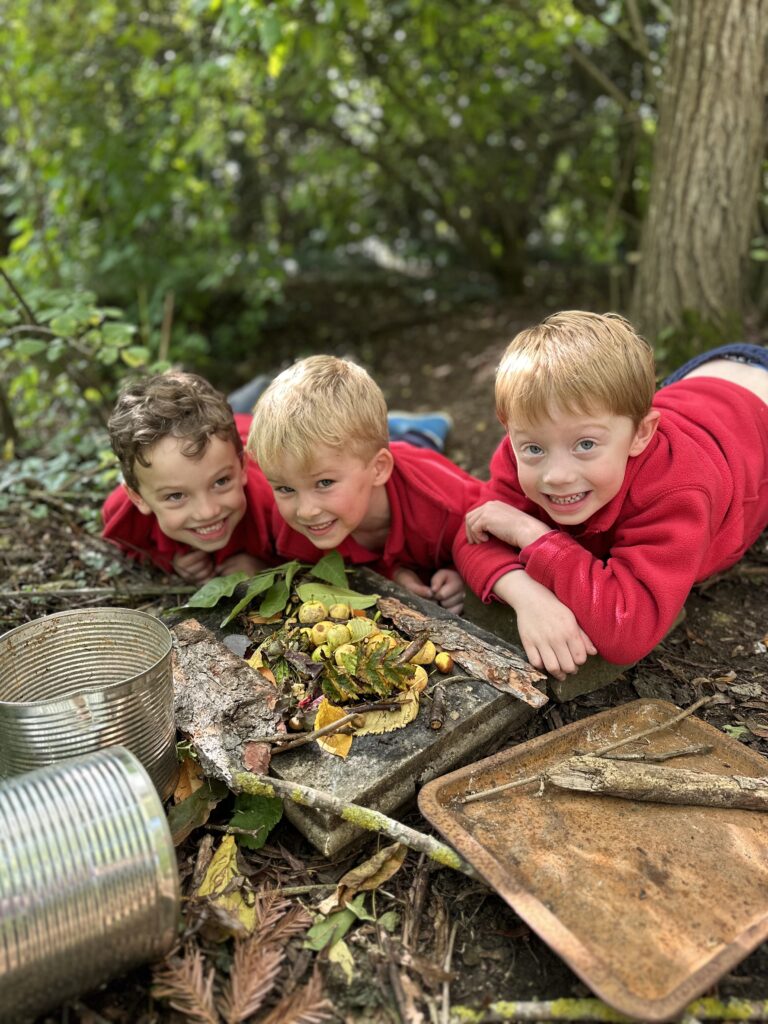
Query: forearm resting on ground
<point x="550" y="635"/>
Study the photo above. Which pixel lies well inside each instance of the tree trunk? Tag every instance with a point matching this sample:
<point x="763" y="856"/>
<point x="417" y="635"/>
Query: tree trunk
<point x="706" y="167"/>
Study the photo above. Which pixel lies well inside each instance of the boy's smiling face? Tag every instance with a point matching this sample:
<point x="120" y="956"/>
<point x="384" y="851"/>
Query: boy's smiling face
<point x="337" y="495"/>
<point x="198" y="501"/>
<point x="572" y="464"/>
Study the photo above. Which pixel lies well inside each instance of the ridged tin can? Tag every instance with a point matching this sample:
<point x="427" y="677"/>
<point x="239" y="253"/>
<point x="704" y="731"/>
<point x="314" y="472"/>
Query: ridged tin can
<point x="89" y="884"/>
<point x="78" y="681"/>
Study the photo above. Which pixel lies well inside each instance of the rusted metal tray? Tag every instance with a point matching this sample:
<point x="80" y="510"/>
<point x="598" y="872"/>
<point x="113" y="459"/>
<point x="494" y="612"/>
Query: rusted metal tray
<point x="648" y="903"/>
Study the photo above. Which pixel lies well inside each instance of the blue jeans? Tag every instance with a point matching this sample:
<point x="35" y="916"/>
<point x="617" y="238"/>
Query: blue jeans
<point x="739" y="352"/>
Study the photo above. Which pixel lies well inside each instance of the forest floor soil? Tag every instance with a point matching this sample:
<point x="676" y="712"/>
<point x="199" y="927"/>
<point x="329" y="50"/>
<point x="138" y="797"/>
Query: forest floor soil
<point x="719" y="650"/>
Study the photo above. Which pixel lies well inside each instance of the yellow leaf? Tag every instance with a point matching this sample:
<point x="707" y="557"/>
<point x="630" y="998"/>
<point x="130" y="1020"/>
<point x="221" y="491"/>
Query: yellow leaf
<point x="221" y="871"/>
<point x="191" y="778"/>
<point x="255" y="660"/>
<point x="339" y="954"/>
<point x="386" y="721"/>
<point x="337" y="743"/>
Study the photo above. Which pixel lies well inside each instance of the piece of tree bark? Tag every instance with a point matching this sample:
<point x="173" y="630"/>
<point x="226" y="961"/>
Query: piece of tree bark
<point x="220" y="702"/>
<point x="705" y="177"/>
<point x="496" y="665"/>
<point x="659" y="783"/>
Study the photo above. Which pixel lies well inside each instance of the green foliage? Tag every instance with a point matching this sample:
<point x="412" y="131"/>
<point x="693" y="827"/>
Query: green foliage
<point x="257" y="814"/>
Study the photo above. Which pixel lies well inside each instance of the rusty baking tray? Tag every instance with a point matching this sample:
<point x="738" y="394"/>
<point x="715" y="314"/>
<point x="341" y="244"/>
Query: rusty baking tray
<point x="649" y="904"/>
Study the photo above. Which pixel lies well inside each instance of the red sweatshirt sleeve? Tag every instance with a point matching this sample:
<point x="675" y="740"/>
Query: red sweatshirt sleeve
<point x="481" y="565"/>
<point x="626" y="604"/>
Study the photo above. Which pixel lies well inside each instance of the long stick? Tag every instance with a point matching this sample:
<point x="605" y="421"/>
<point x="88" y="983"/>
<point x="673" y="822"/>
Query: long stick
<point x="579" y="1010"/>
<point x="363" y="817"/>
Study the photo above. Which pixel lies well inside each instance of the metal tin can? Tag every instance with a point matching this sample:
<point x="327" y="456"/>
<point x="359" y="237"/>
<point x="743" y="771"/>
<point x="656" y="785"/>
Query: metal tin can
<point x="89" y="884"/>
<point x="78" y="681"/>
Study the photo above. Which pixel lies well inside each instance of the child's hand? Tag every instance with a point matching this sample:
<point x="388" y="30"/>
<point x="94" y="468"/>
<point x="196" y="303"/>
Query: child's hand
<point x="240" y="563"/>
<point x="549" y="632"/>
<point x="496" y="518"/>
<point x="448" y="590"/>
<point x="194" y="566"/>
<point x="408" y="579"/>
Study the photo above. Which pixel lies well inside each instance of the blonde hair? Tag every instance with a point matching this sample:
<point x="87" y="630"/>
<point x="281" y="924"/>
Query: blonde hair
<point x="580" y="362"/>
<point x="320" y="400"/>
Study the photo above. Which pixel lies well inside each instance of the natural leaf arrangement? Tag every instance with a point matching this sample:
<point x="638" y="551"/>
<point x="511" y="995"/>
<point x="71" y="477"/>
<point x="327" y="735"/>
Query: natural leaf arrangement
<point x="329" y="650"/>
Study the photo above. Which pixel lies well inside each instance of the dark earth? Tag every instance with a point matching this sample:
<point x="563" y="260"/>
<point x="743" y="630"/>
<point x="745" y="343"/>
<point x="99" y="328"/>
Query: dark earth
<point x="423" y="363"/>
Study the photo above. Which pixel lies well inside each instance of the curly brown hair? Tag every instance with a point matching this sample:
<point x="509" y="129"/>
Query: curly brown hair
<point x="181" y="405"/>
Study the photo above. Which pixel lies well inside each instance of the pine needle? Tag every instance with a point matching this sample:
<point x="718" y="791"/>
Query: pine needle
<point x="306" y="1005"/>
<point x="183" y="983"/>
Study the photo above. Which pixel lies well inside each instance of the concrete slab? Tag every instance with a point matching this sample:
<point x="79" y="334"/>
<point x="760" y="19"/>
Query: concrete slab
<point x="595" y="673"/>
<point x="384" y="772"/>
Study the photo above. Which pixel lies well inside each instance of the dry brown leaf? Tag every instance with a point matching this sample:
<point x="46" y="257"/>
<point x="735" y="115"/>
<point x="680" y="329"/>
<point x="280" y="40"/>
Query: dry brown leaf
<point x="261" y="620"/>
<point x="338" y="743"/>
<point x="191" y="778"/>
<point x="267" y="672"/>
<point x="369" y="875"/>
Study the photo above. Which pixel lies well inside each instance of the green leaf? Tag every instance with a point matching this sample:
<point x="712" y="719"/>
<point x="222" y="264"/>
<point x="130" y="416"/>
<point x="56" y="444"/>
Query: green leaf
<point x="29" y="347"/>
<point x="64" y="325"/>
<point x="331" y="569"/>
<point x="759" y="255"/>
<point x="335" y="595"/>
<point x="212" y="592"/>
<point x="358" y="909"/>
<point x="135" y="356"/>
<point x="257" y="814"/>
<point x="258" y="585"/>
<point x="275" y="599"/>
<point x="329" y="930"/>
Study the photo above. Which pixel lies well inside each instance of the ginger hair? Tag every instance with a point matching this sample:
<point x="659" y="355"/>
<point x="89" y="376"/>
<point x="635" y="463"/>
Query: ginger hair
<point x="320" y="400"/>
<point x="580" y="362"/>
<point x="181" y="405"/>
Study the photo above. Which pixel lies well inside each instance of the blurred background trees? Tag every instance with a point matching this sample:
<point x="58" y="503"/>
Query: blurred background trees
<point x="181" y="178"/>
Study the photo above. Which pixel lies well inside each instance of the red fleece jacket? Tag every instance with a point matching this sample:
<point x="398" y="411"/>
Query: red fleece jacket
<point x="428" y="498"/>
<point x="690" y="506"/>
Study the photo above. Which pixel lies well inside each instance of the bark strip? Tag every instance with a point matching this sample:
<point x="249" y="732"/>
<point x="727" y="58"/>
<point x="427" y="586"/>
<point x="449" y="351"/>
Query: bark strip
<point x="659" y="783"/>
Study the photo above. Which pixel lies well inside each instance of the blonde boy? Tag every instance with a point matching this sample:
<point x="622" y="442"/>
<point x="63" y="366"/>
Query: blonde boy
<point x="320" y="435"/>
<point x="606" y="502"/>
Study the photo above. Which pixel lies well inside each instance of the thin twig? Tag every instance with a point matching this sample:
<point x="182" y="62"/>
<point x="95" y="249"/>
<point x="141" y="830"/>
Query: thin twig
<point x="307" y="737"/>
<point x="446" y="1007"/>
<point x="19" y="297"/>
<point x="695" y="748"/>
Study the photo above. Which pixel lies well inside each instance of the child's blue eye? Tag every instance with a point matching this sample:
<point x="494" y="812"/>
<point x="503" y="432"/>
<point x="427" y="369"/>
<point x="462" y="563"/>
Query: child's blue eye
<point x="325" y="483"/>
<point x="283" y="489"/>
<point x="223" y="481"/>
<point x="176" y="496"/>
<point x="586" y="445"/>
<point x="533" y="449"/>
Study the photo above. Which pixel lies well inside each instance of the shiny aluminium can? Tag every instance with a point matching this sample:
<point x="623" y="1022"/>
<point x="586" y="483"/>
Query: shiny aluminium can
<point x="78" y="681"/>
<point x="89" y="884"/>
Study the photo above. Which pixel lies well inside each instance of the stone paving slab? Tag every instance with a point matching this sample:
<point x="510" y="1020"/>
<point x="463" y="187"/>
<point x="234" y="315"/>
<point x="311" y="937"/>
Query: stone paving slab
<point x="384" y="772"/>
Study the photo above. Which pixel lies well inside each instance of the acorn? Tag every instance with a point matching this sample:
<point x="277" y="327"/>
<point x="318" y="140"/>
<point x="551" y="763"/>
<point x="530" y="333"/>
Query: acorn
<point x="311" y="612"/>
<point x="376" y="640"/>
<point x="339" y="612"/>
<point x="426" y="655"/>
<point x="444" y="662"/>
